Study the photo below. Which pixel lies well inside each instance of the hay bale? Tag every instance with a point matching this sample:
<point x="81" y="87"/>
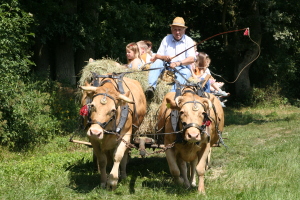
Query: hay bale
<point x="107" y="65"/>
<point x="149" y="124"/>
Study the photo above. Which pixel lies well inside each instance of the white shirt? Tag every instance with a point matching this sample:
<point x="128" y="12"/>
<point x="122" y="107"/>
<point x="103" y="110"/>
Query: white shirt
<point x="170" y="47"/>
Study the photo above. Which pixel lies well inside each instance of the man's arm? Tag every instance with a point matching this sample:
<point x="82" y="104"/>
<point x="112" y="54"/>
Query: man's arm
<point x="187" y="61"/>
<point x="157" y="56"/>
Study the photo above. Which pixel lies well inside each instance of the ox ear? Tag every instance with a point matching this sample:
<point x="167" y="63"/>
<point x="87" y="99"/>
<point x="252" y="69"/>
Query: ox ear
<point x="171" y="103"/>
<point x="125" y="97"/>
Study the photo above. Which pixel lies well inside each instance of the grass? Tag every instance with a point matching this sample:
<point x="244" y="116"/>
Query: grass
<point x="261" y="162"/>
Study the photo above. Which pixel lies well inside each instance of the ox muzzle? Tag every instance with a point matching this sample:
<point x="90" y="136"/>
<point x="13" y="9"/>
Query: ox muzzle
<point x="194" y="135"/>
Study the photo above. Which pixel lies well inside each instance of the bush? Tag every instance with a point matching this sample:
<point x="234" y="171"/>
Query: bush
<point x="269" y="96"/>
<point x="26" y="118"/>
<point x="32" y="111"/>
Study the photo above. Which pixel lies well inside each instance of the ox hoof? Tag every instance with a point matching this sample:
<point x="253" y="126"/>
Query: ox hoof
<point x="112" y="183"/>
<point x="187" y="185"/>
<point x="143" y="153"/>
<point x="179" y="180"/>
<point x="122" y="177"/>
<point x="193" y="185"/>
<point x="201" y="192"/>
<point x="102" y="185"/>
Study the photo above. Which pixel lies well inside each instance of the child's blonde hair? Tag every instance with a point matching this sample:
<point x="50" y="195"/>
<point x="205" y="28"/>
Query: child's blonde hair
<point x="143" y="45"/>
<point x="133" y="47"/>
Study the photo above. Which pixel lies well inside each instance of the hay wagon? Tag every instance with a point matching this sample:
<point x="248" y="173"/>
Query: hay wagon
<point x="145" y="136"/>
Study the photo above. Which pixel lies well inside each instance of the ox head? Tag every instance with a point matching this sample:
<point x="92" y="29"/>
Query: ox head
<point x="193" y="115"/>
<point x="104" y="107"/>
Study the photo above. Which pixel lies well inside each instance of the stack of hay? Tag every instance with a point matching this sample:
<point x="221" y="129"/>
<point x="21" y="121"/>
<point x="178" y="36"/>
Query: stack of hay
<point x="105" y="66"/>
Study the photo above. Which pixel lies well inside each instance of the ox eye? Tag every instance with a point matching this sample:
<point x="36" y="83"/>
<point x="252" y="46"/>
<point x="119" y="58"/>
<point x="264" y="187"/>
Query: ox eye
<point x="92" y="107"/>
<point x="181" y="112"/>
<point x="184" y="123"/>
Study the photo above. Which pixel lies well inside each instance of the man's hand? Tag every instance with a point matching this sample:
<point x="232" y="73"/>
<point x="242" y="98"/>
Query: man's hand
<point x="167" y="58"/>
<point x="173" y="65"/>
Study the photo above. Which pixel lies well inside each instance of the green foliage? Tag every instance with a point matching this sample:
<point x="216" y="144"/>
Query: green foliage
<point x="28" y="116"/>
<point x="269" y="96"/>
<point x="15" y="35"/>
<point x="117" y="19"/>
<point x="36" y="112"/>
<point x="65" y="107"/>
<point x="107" y="26"/>
<point x="32" y="110"/>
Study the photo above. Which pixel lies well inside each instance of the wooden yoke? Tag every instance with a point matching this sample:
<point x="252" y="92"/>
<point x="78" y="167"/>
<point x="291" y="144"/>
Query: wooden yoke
<point x="205" y="80"/>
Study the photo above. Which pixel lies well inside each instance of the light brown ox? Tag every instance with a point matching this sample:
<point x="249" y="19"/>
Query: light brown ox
<point x="108" y="147"/>
<point x="195" y="148"/>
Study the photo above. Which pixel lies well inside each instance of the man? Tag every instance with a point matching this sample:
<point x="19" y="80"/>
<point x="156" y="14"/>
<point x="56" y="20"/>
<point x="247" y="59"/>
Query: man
<point x="168" y="51"/>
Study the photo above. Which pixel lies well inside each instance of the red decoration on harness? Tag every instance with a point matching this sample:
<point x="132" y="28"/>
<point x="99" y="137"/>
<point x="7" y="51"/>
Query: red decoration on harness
<point x="246" y="33"/>
<point x="84" y="111"/>
<point x="207" y="123"/>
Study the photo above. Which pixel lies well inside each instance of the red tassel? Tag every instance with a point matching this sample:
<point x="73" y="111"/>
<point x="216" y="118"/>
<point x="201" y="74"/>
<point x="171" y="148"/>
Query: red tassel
<point x="84" y="111"/>
<point x="246" y="33"/>
<point x="206" y="123"/>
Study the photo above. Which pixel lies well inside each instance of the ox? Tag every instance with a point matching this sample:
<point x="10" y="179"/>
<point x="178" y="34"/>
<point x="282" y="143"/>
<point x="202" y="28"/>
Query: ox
<point x="117" y="106"/>
<point x="200" y="121"/>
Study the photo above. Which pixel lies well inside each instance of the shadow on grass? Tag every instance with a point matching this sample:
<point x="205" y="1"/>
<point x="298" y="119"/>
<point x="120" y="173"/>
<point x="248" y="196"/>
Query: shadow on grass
<point x="83" y="177"/>
<point x="154" y="173"/>
<point x="150" y="172"/>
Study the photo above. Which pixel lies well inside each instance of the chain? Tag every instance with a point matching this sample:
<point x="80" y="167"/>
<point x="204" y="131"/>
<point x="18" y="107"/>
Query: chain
<point x="131" y="146"/>
<point x="128" y="144"/>
<point x="169" y="146"/>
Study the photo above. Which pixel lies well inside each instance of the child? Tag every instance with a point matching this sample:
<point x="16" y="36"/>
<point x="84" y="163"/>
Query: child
<point x="133" y="56"/>
<point x="200" y="71"/>
<point x="149" y="44"/>
<point x="143" y="48"/>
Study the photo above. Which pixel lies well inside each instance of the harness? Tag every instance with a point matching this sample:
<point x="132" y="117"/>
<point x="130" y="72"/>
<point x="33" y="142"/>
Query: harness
<point x="195" y="89"/>
<point x="124" y="109"/>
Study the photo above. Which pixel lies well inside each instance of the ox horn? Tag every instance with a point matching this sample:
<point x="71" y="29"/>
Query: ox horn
<point x="208" y="102"/>
<point x="125" y="98"/>
<point x="177" y="100"/>
<point x="88" y="88"/>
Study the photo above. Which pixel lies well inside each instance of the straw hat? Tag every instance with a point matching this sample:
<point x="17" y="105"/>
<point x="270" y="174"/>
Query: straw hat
<point x="178" y="21"/>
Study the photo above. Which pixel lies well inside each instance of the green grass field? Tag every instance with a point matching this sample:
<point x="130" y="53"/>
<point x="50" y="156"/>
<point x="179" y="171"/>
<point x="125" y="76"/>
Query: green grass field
<point x="262" y="162"/>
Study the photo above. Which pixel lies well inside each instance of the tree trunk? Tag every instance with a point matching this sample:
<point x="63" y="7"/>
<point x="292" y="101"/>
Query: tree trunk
<point x="64" y="50"/>
<point x="242" y="85"/>
<point x="42" y="59"/>
<point x="64" y="60"/>
<point x="82" y="56"/>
